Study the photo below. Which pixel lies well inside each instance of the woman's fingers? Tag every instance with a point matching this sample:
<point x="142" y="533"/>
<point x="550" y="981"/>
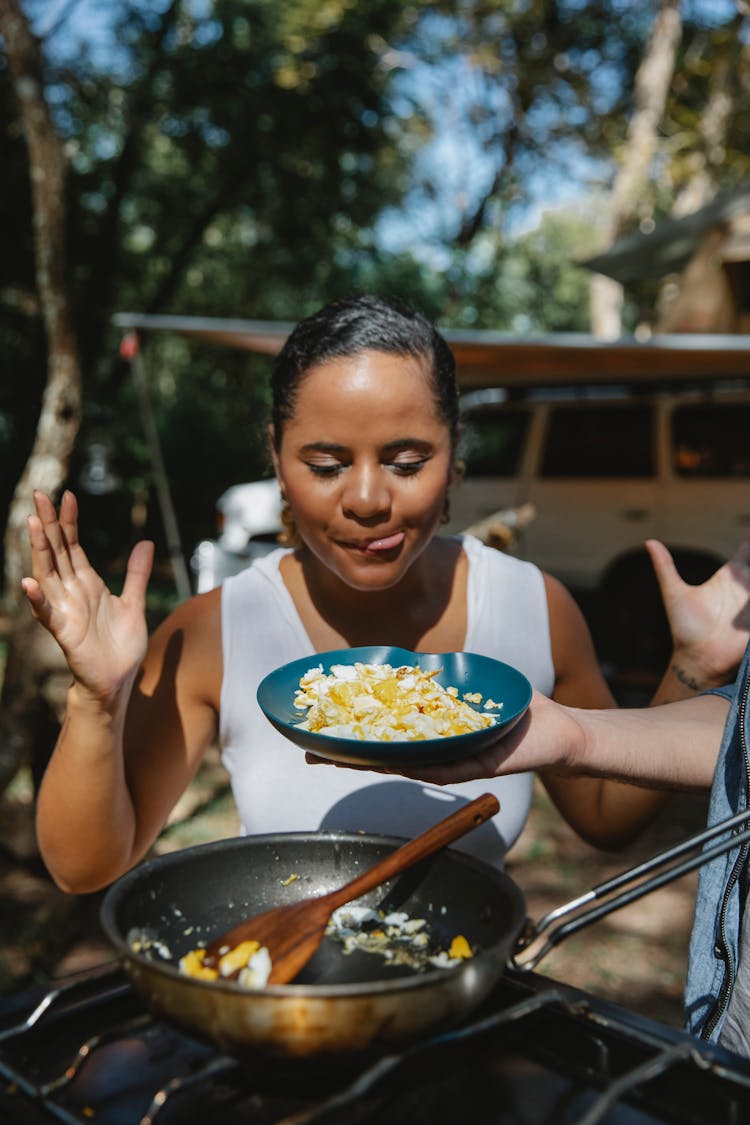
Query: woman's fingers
<point x="42" y="561"/>
<point x="35" y="597"/>
<point x="665" y="570"/>
<point x="56" y="540"/>
<point x="739" y="564"/>
<point x="68" y="520"/>
<point x="56" y="550"/>
<point x="138" y="573"/>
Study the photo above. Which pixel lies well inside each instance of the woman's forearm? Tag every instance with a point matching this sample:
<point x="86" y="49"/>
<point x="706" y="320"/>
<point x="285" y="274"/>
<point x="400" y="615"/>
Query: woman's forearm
<point x="674" y="746"/>
<point x="85" y="817"/>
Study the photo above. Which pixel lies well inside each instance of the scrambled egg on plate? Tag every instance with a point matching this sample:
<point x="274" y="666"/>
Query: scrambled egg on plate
<point x="386" y="704"/>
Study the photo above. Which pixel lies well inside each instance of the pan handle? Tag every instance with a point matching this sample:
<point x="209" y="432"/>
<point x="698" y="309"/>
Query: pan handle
<point x="557" y="930"/>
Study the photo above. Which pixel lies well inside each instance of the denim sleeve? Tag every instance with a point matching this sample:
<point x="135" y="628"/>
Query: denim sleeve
<point x="726" y="691"/>
<point x="715" y="937"/>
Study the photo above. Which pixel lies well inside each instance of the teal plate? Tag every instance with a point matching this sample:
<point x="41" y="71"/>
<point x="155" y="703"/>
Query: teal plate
<point x="466" y="671"/>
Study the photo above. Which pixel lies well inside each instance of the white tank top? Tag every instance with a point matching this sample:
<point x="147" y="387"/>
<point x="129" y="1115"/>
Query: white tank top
<point x="275" y="790"/>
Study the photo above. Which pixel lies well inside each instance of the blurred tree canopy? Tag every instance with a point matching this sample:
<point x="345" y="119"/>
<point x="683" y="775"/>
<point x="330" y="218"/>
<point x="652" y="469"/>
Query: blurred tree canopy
<point x="254" y="158"/>
<point x="219" y="163"/>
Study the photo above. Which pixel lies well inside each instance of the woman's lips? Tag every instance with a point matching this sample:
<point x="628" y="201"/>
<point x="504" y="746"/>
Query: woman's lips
<point x="374" y="546"/>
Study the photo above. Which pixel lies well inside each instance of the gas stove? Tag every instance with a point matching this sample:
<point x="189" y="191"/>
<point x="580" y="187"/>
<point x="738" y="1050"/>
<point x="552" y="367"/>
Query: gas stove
<point x="537" y="1053"/>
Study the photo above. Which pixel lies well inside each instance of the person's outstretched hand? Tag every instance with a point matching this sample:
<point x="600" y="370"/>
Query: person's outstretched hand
<point x="103" y="637"/>
<point x="710" y="623"/>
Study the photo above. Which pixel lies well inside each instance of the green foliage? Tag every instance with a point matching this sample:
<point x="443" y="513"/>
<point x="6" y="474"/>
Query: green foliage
<point x="541" y="286"/>
<point x="228" y="163"/>
<point x="251" y="158"/>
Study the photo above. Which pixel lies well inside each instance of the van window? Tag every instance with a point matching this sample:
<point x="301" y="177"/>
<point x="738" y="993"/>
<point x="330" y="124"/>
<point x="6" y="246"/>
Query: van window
<point x="599" y="441"/>
<point x="492" y="442"/>
<point x="711" y="440"/>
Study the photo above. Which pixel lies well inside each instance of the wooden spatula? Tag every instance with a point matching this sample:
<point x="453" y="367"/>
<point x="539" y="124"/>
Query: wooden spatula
<point x="292" y="933"/>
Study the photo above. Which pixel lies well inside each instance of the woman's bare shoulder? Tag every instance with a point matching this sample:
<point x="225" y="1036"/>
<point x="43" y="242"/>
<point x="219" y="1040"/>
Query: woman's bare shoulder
<point x="189" y="639"/>
<point x="560" y="602"/>
<point x="199" y="614"/>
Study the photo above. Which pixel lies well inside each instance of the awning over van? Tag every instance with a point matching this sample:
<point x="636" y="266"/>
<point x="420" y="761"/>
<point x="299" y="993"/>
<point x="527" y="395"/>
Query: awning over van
<point x="487" y="358"/>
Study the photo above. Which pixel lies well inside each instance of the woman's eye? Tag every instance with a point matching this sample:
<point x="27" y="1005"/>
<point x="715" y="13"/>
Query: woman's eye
<point x="407" y="468"/>
<point x="328" y="469"/>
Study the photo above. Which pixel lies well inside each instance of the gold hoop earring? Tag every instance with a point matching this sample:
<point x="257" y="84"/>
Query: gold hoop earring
<point x="288" y="536"/>
<point x="457" y="474"/>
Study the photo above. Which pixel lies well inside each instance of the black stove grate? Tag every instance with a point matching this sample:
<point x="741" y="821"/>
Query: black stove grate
<point x="539" y="1053"/>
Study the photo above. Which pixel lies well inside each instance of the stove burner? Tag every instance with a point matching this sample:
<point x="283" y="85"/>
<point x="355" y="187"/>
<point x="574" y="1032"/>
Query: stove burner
<point x="539" y="1053"/>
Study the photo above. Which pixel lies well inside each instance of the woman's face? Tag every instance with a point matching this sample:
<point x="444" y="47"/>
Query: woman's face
<point x="365" y="461"/>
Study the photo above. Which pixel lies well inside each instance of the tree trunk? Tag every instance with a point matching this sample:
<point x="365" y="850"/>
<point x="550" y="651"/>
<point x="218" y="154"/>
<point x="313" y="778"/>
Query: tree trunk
<point x="26" y="719"/>
<point x="652" y="83"/>
<point x="708" y="159"/>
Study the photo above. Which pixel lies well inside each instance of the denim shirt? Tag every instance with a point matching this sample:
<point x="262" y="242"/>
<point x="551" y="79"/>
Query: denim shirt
<point x="715" y="937"/>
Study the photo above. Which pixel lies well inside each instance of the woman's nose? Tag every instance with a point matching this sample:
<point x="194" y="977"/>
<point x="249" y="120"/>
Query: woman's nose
<point x="367" y="494"/>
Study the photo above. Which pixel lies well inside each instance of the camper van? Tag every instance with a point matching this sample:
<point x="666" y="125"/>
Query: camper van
<point x="606" y="468"/>
<point x="607" y="443"/>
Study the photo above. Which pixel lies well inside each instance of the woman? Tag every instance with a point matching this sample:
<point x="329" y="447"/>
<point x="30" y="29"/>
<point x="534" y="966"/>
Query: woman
<point x="363" y="439"/>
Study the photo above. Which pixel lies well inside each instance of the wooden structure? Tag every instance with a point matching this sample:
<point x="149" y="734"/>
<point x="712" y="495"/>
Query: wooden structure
<point x="708" y="252"/>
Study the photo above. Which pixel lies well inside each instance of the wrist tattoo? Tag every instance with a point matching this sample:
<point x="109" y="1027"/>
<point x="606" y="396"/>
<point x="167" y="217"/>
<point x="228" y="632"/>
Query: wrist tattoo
<point x="685" y="678"/>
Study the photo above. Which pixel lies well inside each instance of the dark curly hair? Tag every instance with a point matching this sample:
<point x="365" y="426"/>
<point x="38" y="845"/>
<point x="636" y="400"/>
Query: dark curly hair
<point x="350" y="325"/>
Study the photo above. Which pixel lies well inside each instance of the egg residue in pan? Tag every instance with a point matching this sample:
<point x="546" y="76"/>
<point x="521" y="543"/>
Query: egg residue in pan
<point x="249" y="963"/>
<point x="396" y="937"/>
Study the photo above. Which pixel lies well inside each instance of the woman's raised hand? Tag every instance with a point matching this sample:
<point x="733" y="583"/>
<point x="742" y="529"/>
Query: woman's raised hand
<point x="710" y="623"/>
<point x="103" y="637"/>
